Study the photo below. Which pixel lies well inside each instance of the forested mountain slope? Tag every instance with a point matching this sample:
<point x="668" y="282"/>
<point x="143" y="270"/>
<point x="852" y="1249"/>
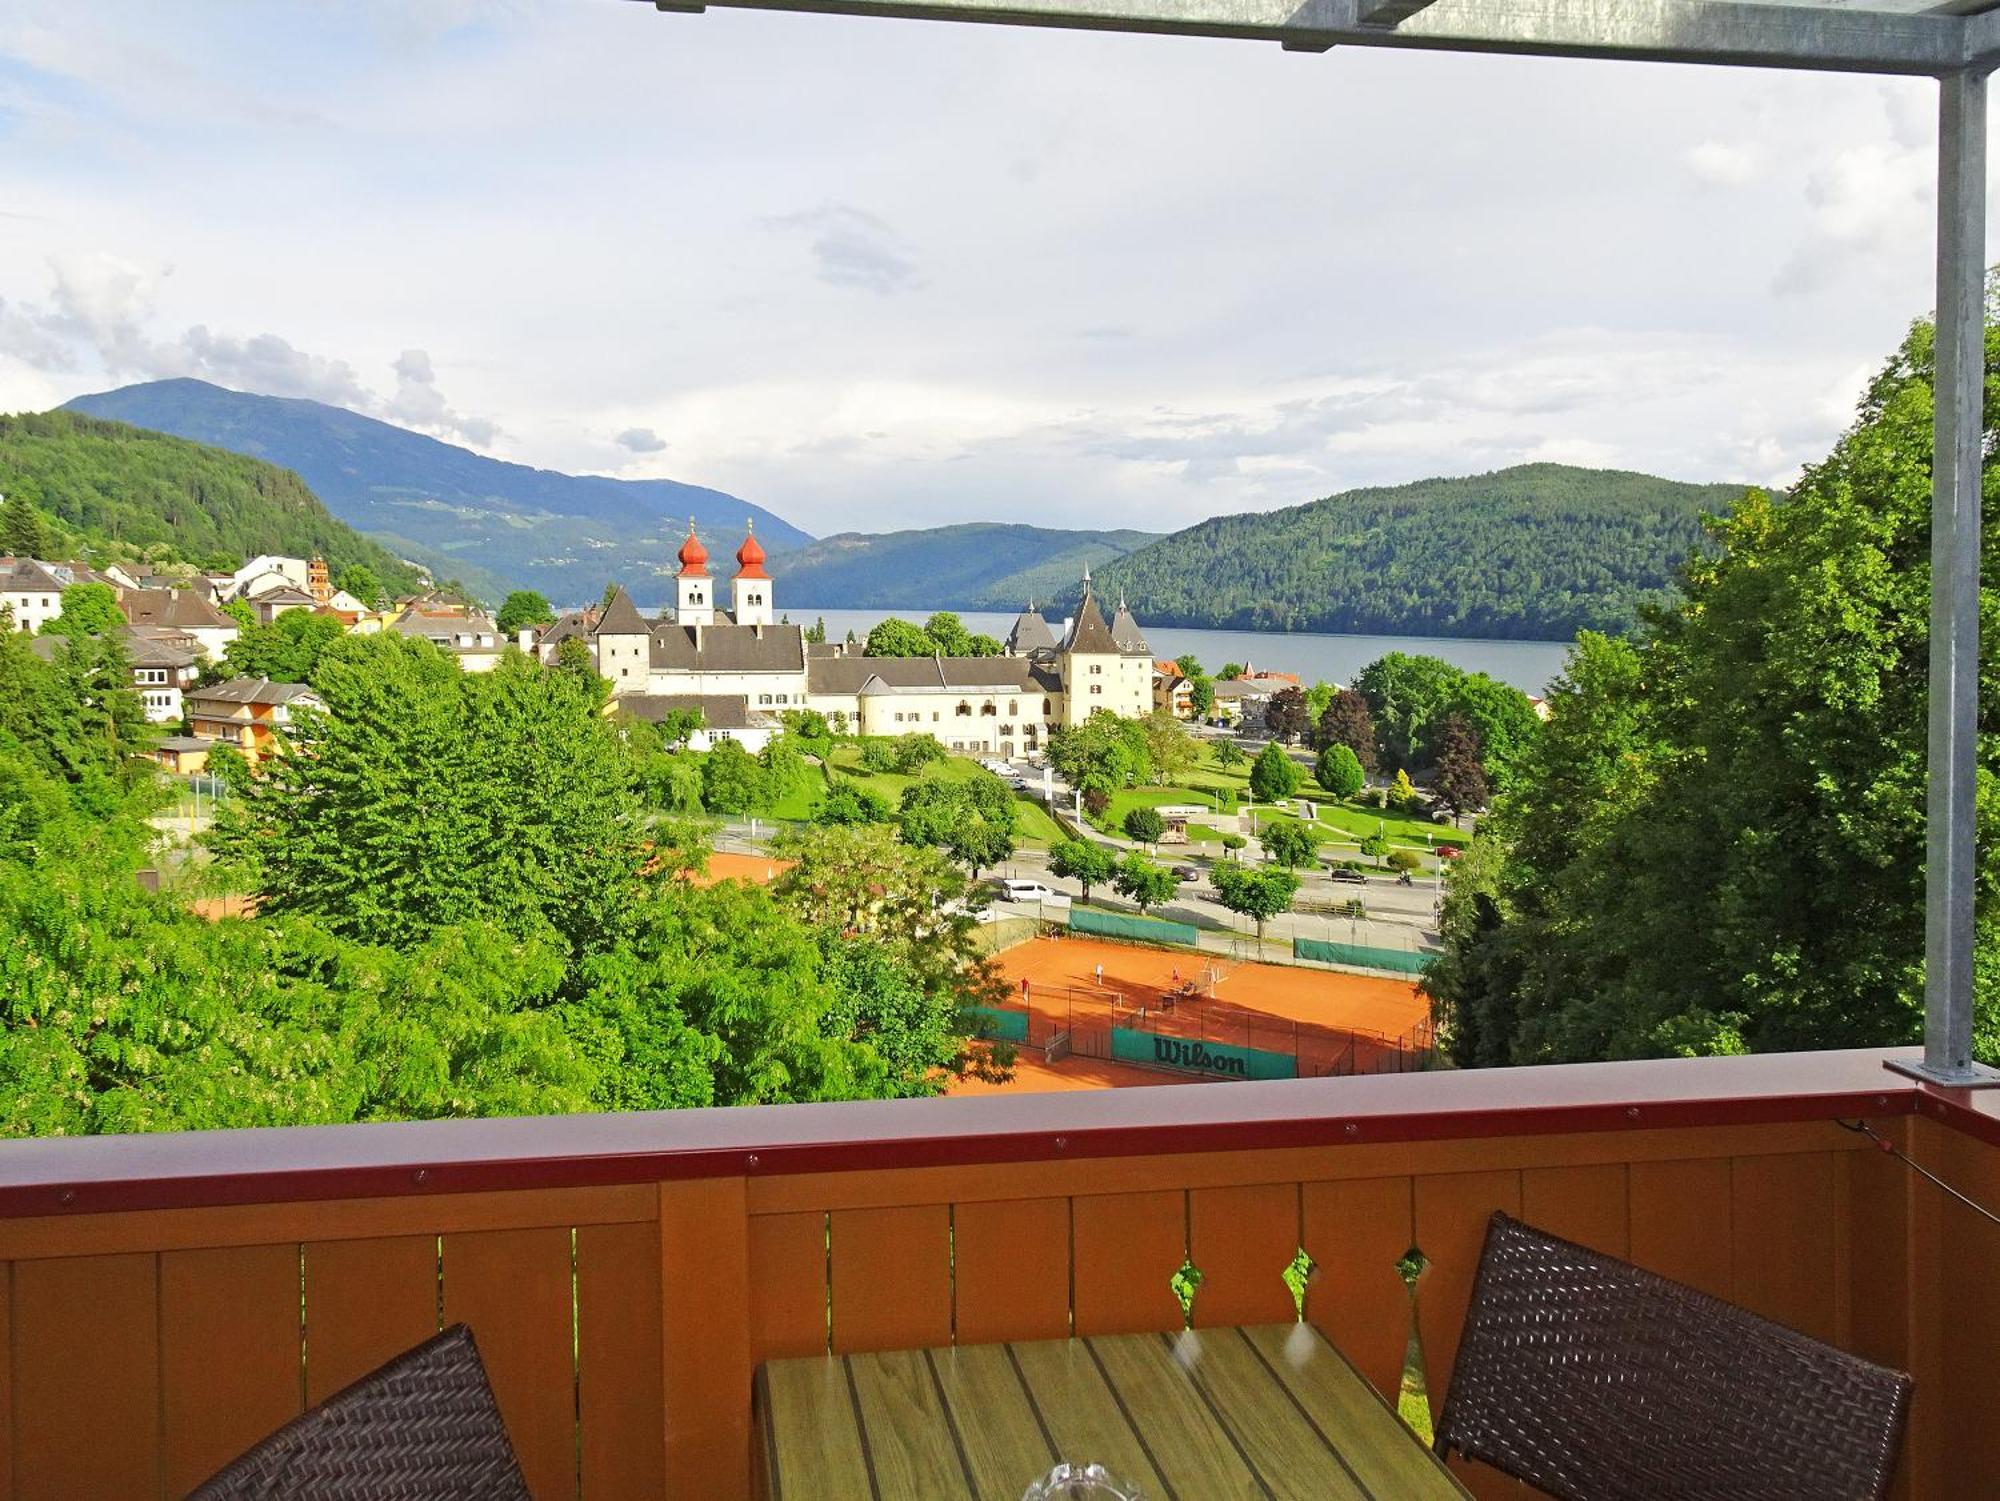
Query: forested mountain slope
<point x="108" y="483"/>
<point x="1536" y="552"/>
<point x="977" y="566"/>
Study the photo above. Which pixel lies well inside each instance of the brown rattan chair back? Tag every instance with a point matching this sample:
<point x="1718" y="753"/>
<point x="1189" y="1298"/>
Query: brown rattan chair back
<point x="424" y="1427"/>
<point x="1593" y="1380"/>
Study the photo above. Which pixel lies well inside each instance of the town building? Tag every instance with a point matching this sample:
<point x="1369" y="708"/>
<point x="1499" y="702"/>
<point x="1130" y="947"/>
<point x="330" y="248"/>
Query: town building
<point x="181" y="612"/>
<point x="1173" y="693"/>
<point x="248" y="713"/>
<point x="31" y="589"/>
<point x="468" y="635"/>
<point x="165" y="665"/>
<point x="699" y="654"/>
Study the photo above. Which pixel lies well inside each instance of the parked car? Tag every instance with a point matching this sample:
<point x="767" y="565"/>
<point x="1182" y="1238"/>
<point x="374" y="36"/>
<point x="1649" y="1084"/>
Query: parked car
<point x="1449" y="852"/>
<point x="1186" y="873"/>
<point x="1030" y="891"/>
<point x="1350" y="877"/>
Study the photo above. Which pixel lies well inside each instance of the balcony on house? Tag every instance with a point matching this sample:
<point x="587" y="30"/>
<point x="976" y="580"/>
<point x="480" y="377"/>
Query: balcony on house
<point x="170" y="1299"/>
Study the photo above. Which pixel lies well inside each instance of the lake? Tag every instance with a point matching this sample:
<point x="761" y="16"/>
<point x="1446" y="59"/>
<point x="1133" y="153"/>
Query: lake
<point x="1528" y="665"/>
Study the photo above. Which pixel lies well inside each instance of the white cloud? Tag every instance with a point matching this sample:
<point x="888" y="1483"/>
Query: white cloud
<point x="640" y="440"/>
<point x="1723" y="163"/>
<point x="853" y="248"/>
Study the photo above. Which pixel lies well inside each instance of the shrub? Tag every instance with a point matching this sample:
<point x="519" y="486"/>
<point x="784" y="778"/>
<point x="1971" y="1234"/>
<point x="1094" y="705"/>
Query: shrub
<point x="878" y="754"/>
<point x="1233" y="841"/>
<point x="1095" y="801"/>
<point x="1405" y="859"/>
<point x="1339" y="771"/>
<point x="915" y="752"/>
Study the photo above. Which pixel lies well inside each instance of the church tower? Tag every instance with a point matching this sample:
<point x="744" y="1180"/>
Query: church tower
<point x="694" y="590"/>
<point x="751" y="588"/>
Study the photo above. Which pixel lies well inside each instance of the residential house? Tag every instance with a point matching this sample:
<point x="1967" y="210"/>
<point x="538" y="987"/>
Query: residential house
<point x="265" y="573"/>
<point x="249" y="713"/>
<point x="183" y="612"/>
<point x="165" y="665"/>
<point x="723" y="717"/>
<point x="31" y="589"/>
<point x="1172" y="691"/>
<point x="183" y="755"/>
<point x="469" y="635"/>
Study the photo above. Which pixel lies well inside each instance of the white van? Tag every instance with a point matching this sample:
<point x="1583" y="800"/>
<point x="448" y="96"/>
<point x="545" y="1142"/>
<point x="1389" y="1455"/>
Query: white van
<point x="1031" y="891"/>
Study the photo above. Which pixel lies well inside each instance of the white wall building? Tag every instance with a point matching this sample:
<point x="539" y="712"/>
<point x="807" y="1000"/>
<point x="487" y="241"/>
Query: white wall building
<point x="740" y="666"/>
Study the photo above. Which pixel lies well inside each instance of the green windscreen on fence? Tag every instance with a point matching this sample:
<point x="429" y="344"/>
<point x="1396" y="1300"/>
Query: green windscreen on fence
<point x="1137" y="929"/>
<point x="1158" y="1050"/>
<point x="1361" y="955"/>
<point x="1008" y="1026"/>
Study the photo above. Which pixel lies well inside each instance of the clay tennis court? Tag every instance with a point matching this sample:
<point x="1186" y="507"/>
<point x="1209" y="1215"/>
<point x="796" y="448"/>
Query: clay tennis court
<point x="1333" y="1023"/>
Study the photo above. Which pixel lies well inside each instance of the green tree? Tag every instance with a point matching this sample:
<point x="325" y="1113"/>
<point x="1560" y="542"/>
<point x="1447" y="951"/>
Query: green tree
<point x="1409" y="697"/>
<point x="363" y="583"/>
<point x="1201" y="697"/>
<point x="1231" y="671"/>
<point x="87" y="610"/>
<point x="1375" y="846"/>
<point x="1289" y="842"/>
<point x="972" y="819"/>
<point x="1501" y="720"/>
<point x="1405" y="860"/>
<point x="1169" y="747"/>
<point x="434" y="797"/>
<point x="915" y="752"/>
<point x="1189" y="665"/>
<point x="1145" y="825"/>
<point x="1274" y="776"/>
<point x="816" y="632"/>
<point x="1403" y="794"/>
<point x="1084" y="861"/>
<point x="1256" y="893"/>
<point x="1229" y="754"/>
<point x="521" y="609"/>
<point x="733" y="781"/>
<point x="22" y="531"/>
<point x="1144" y="882"/>
<point x="239" y="610"/>
<point x="1338" y="770"/>
<point x="288" y="650"/>
<point x="898" y="638"/>
<point x="1103" y="754"/>
<point x="878" y="754"/>
<point x="847" y="803"/>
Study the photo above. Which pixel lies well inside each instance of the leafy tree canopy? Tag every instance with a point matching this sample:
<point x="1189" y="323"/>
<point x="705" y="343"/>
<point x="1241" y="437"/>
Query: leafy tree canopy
<point x="521" y="609"/>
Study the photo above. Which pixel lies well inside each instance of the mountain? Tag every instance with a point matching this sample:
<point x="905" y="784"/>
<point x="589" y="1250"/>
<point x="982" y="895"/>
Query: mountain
<point x="978" y="566"/>
<point x="109" y="483"/>
<point x="482" y="519"/>
<point x="1537" y="552"/>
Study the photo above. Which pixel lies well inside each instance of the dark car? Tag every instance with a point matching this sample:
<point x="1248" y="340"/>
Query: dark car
<point x="1186" y="873"/>
<point x="1352" y="877"/>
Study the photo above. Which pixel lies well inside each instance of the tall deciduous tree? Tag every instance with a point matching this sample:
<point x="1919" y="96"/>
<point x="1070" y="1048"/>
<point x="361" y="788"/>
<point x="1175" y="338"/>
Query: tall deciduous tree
<point x="1289" y="842"/>
<point x="523" y="608"/>
<point x="1285" y="716"/>
<point x="1461" y="779"/>
<point x="1256" y="893"/>
<point x="1347" y="720"/>
<point x="898" y="638"/>
<point x="288" y="650"/>
<point x="1147" y="883"/>
<point x="87" y="610"/>
<point x="1084" y="861"/>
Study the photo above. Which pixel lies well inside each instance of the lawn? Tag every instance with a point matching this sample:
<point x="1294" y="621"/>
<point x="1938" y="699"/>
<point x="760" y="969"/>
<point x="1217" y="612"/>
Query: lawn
<point x="1339" y="823"/>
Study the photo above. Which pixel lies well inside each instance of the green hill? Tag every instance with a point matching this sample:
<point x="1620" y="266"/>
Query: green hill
<point x="978" y="566"/>
<point x="143" y="494"/>
<point x="1537" y="552"/>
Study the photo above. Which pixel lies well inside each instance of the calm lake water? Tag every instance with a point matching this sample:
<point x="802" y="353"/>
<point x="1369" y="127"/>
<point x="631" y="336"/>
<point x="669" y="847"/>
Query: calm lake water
<point x="1528" y="665"/>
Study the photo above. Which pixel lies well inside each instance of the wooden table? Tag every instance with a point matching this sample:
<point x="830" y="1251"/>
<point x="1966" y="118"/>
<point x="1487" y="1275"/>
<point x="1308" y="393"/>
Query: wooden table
<point x="1272" y="1413"/>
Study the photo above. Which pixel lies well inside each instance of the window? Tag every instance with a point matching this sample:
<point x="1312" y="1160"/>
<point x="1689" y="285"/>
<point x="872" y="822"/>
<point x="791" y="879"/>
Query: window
<point x="1013" y="707"/>
<point x="763" y="698"/>
<point x="1096" y="688"/>
<point x="1096" y="668"/>
<point x="988" y="707"/>
<point x="1046" y="710"/>
<point x="934" y="716"/>
<point x="964" y="710"/>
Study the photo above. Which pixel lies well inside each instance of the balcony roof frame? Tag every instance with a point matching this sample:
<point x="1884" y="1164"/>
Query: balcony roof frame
<point x="1955" y="41"/>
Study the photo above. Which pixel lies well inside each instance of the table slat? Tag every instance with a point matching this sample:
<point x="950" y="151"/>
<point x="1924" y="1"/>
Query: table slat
<point x="1002" y="1437"/>
<point x="1268" y="1413"/>
<point x="911" y="1441"/>
<point x="1384" y="1455"/>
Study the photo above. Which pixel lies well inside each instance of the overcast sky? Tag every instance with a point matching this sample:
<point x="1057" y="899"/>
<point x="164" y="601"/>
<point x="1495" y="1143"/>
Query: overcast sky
<point x="875" y="274"/>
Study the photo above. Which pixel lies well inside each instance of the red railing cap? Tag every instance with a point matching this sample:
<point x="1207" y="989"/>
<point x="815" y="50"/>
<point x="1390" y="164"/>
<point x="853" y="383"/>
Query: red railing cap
<point x="183" y="1169"/>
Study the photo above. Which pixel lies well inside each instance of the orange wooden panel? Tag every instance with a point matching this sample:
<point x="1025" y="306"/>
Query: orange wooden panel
<point x="1127" y="1249"/>
<point x="624" y="1431"/>
<point x="1010" y="1271"/>
<point x="1243" y="1239"/>
<point x="1583" y="1204"/>
<point x="231" y="1366"/>
<point x="1356" y="1232"/>
<point x="1452" y="1210"/>
<point x="891" y="1278"/>
<point x="787" y="1285"/>
<point x="1784" y="1264"/>
<point x="1680" y="1216"/>
<point x="6" y="1382"/>
<point x="87" y="1378"/>
<point x="705" y="1333"/>
<point x="1967" y="1262"/>
<point x="366" y="1302"/>
<point x="513" y="1288"/>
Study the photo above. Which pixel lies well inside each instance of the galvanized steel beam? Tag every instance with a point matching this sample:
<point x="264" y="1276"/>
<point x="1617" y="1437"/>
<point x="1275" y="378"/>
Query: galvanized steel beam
<point x="1951" y="866"/>
<point x="1820" y="37"/>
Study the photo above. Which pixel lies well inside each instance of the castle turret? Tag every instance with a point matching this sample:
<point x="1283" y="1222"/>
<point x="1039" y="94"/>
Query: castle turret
<point x="751" y="588"/>
<point x="1092" y="663"/>
<point x="694" y="590"/>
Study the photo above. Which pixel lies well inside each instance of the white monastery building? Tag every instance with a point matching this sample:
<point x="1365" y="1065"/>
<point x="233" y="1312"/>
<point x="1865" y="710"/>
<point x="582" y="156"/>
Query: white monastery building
<point x="743" y="669"/>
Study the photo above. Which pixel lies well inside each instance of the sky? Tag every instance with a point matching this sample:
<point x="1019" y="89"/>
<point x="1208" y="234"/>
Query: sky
<point x="877" y="274"/>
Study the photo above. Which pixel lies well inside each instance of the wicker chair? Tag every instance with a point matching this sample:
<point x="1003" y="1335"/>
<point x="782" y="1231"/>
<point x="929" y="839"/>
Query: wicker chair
<point x="1595" y="1381"/>
<point x="424" y="1427"/>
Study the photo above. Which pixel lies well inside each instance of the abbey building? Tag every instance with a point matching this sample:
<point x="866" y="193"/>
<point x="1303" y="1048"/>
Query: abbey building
<point x="743" y="669"/>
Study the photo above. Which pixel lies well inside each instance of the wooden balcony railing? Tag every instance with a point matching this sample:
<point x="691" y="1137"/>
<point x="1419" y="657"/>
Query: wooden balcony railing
<point x="169" y="1299"/>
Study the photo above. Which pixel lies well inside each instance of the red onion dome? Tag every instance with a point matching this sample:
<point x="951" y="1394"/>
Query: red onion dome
<point x="750" y="559"/>
<point x="693" y="556"/>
